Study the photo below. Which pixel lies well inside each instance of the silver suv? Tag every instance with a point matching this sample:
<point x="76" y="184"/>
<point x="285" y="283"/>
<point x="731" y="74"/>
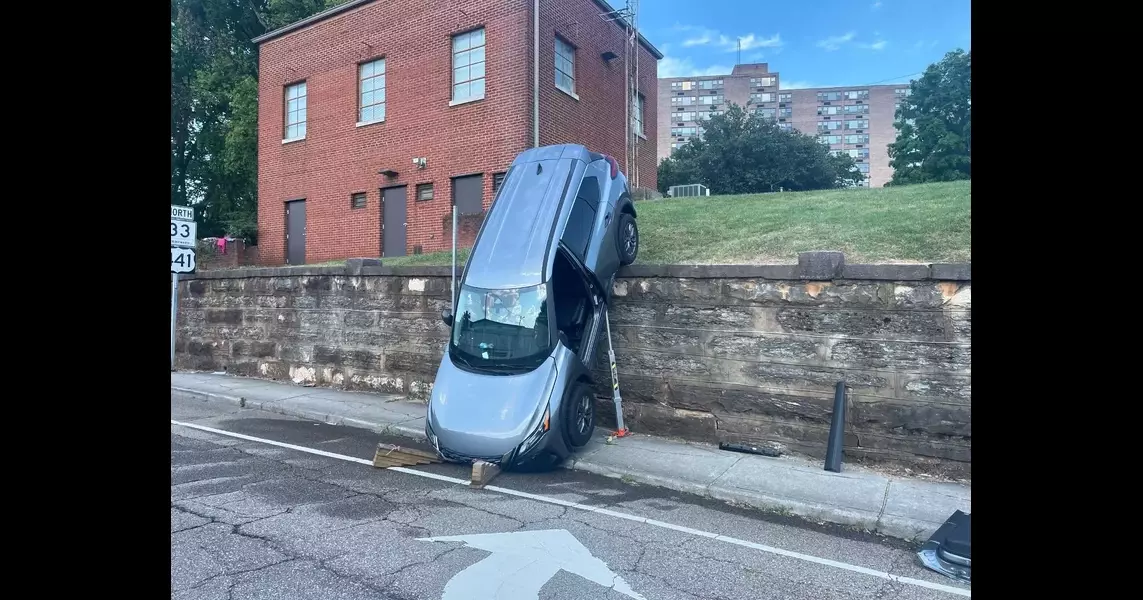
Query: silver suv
<point x="515" y="384"/>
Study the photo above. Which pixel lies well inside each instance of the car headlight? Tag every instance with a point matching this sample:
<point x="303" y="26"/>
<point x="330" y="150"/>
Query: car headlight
<point x="541" y="429"/>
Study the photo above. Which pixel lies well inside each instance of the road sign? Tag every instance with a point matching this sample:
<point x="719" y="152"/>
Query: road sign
<point x="522" y="562"/>
<point x="183" y="233"/>
<point x="182" y="260"/>
<point x="182" y="213"/>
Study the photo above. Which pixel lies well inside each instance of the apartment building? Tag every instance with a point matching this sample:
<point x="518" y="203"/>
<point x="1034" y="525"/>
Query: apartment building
<point x="856" y="120"/>
<point x="376" y="117"/>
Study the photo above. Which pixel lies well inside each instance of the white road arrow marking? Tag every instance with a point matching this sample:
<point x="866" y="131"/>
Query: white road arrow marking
<point x="522" y="562"/>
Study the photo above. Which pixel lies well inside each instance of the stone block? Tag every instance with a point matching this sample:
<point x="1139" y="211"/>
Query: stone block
<point x="359" y="319"/>
<point x="821" y="265"/>
<point x="403" y="362"/>
<point x="759" y="346"/>
<point x="886" y="272"/>
<point x="882" y="324"/>
<point x="952" y="271"/>
<point x="809" y="379"/>
<point x="228" y="316"/>
<point x="935" y="386"/>
<point x="911" y="417"/>
<point x="353" y="265"/>
<point x="652" y="419"/>
<point x="902" y="355"/>
<point x="341" y="357"/>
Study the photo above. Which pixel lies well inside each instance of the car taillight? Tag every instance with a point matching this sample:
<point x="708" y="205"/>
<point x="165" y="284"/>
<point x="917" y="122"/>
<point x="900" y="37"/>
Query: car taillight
<point x="614" y="167"/>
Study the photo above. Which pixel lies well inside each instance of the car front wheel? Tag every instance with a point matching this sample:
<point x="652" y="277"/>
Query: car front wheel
<point x="579" y="418"/>
<point x="628" y="239"/>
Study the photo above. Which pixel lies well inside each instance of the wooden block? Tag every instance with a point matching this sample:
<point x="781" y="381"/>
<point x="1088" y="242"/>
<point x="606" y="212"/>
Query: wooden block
<point x="389" y="455"/>
<point x="482" y="473"/>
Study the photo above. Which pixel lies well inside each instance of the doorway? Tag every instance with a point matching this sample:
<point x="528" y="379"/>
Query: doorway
<point x="296" y="232"/>
<point x="393" y="223"/>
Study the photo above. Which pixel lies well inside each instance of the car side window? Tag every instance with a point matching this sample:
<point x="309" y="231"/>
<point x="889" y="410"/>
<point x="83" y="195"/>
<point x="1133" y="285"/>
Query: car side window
<point x="581" y="223"/>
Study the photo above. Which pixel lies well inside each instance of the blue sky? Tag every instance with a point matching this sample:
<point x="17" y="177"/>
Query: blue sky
<point x="810" y="43"/>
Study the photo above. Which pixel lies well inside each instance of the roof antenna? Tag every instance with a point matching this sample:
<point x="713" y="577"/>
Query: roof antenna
<point x="739" y="52"/>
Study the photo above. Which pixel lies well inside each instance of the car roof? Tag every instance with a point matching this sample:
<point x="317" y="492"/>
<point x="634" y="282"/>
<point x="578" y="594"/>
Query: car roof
<point x="518" y="232"/>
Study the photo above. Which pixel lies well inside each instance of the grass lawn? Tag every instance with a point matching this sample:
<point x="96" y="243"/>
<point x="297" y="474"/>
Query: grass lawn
<point x="917" y="223"/>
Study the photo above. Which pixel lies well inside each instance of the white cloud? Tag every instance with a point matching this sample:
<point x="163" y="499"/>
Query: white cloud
<point x="683" y="67"/>
<point x="702" y="39"/>
<point x="756" y="57"/>
<point x="794" y="84"/>
<point x="878" y="45"/>
<point x="836" y="42"/>
<point x="749" y="42"/>
<point x="876" y="5"/>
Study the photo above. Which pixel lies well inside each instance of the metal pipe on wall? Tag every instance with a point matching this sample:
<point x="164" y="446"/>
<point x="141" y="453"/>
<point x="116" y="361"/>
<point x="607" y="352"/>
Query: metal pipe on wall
<point x="453" y="283"/>
<point x="174" y="313"/>
<point x="535" y="73"/>
<point x="836" y="430"/>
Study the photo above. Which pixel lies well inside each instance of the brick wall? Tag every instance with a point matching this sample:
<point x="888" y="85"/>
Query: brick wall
<point x="743" y="354"/>
<point x="337" y="158"/>
<point x="596" y="118"/>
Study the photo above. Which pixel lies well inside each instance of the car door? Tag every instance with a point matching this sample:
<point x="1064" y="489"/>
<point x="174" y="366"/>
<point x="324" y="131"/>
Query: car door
<point x="591" y="215"/>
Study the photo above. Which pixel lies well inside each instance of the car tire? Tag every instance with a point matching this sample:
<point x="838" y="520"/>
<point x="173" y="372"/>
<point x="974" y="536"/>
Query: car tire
<point x="579" y="416"/>
<point x="627" y="236"/>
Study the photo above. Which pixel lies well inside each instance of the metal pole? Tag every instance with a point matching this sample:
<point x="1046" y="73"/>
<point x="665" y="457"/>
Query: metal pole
<point x="836" y="430"/>
<point x="453" y="305"/>
<point x="174" y="313"/>
<point x="535" y="73"/>
<point x="621" y="429"/>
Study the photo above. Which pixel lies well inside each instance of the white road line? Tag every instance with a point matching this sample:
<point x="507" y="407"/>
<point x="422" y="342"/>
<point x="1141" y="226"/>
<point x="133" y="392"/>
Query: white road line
<point x="603" y="511"/>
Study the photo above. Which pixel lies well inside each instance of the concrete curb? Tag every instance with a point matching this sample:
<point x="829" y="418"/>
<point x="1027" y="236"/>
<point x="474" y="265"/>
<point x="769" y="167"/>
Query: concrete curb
<point x="888" y="525"/>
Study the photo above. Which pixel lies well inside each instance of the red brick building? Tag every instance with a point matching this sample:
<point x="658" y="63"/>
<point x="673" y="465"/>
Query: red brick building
<point x="375" y="116"/>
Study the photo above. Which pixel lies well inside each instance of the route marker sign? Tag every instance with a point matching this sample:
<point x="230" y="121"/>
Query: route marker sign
<point x="522" y="562"/>
<point x="182" y="260"/>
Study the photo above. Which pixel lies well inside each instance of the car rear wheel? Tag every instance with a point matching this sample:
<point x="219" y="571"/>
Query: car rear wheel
<point x="579" y="418"/>
<point x="628" y="239"/>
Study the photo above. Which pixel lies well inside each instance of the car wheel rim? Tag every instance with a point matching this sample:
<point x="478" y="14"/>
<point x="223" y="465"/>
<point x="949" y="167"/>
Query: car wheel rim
<point x="629" y="238"/>
<point x="583" y="414"/>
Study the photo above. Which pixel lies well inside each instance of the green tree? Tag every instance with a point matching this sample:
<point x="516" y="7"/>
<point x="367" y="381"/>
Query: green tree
<point x="214" y="106"/>
<point x="741" y="153"/>
<point x="934" y="124"/>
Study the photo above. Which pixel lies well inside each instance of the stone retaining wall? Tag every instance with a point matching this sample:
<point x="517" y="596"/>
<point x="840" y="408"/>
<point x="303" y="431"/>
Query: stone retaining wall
<point x="706" y="353"/>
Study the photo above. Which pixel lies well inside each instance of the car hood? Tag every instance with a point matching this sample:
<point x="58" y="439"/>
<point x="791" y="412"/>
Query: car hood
<point x="487" y="416"/>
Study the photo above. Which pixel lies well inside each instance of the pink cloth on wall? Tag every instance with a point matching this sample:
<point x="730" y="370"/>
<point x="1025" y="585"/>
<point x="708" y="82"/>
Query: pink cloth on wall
<point x="222" y="245"/>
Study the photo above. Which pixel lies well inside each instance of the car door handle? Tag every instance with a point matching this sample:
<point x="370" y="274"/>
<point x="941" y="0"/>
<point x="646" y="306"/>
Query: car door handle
<point x="607" y="219"/>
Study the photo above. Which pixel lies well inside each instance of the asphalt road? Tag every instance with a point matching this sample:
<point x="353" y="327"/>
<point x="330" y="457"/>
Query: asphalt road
<point x="250" y="519"/>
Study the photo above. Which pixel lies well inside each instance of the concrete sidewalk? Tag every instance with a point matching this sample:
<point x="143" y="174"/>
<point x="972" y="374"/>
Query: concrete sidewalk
<point x="898" y="507"/>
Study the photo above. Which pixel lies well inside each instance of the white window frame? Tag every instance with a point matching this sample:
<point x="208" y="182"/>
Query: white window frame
<point x="295" y="109"/>
<point x="374" y="77"/>
<point x="565" y="65"/>
<point x="468" y="53"/>
<point x="637" y="115"/>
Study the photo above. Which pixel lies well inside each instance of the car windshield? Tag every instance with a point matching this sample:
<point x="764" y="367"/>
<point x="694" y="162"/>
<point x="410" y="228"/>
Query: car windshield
<point x="505" y="329"/>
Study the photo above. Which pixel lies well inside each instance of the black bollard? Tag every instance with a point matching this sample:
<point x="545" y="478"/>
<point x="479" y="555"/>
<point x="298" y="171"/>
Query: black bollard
<point x="836" y="430"/>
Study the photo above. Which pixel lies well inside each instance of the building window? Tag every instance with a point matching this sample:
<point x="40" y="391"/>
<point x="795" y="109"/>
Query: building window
<point x="565" y="66"/>
<point x="829" y="110"/>
<point x="296" y="111"/>
<point x="829" y="125"/>
<point x="857" y="124"/>
<point x="857" y="95"/>
<point x="497" y="181"/>
<point x="468" y="66"/>
<point x="762" y="81"/>
<point x="637" y="116"/>
<point x="785" y="112"/>
<point x="424" y="192"/>
<point x="899" y="92"/>
<point x="765" y="113"/>
<point x="857" y="139"/>
<point x="710" y="84"/>
<point x="684" y="101"/>
<point x="683" y="116"/>
<point x="863" y="167"/>
<point x="828" y="96"/>
<point x="829" y="139"/>
<point x="856" y="109"/>
<point x="785" y="97"/>
<point x="711" y="100"/>
<point x="859" y="153"/>
<point x="371" y="94"/>
<point x="681" y="131"/>
<point x="786" y="126"/>
<point x="357" y="200"/>
<point x="711" y="113"/>
<point x="762" y="97"/>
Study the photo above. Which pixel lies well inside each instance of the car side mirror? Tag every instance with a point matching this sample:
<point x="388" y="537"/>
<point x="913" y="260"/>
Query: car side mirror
<point x="446" y="316"/>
